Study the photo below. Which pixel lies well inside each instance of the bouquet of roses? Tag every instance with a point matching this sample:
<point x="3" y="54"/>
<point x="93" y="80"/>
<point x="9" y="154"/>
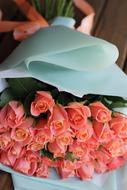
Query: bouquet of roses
<point x="54" y="120"/>
<point x="42" y="128"/>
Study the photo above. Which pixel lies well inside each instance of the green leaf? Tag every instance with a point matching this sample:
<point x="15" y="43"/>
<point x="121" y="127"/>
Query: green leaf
<point x="69" y="10"/>
<point x="55" y="93"/>
<point x="118" y="105"/>
<point x="37" y="4"/>
<point x="106" y="103"/>
<point x="48" y="5"/>
<point x="5" y="97"/>
<point x="48" y="154"/>
<point x="70" y="156"/>
<point x="90" y="98"/>
<point x="64" y="98"/>
<point x="21" y="87"/>
<point x="115" y="99"/>
<point x="114" y="102"/>
<point x="27" y="102"/>
<point x="52" y="8"/>
<point x="60" y="7"/>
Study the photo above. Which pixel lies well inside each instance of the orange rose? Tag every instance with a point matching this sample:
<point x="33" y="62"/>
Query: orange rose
<point x="86" y="171"/>
<point x="103" y="132"/>
<point x="14" y="152"/>
<point x="42" y="170"/>
<point x="102" y="155"/>
<point x="5" y="141"/>
<point x="99" y="166"/>
<point x="3" y="129"/>
<point x="116" y="163"/>
<point x="66" y="168"/>
<point x="64" y="139"/>
<point x="4" y="158"/>
<point x="119" y="125"/>
<point x="92" y="143"/>
<point x="99" y="112"/>
<point x="78" y="150"/>
<point x="42" y="123"/>
<point x="42" y="103"/>
<point x="77" y="114"/>
<point x="116" y="147"/>
<point x="85" y="133"/>
<point x="34" y="146"/>
<point x="47" y="161"/>
<point x="41" y="137"/>
<point x="23" y="133"/>
<point x="56" y="149"/>
<point x="12" y="114"/>
<point x="58" y="120"/>
<point x="27" y="164"/>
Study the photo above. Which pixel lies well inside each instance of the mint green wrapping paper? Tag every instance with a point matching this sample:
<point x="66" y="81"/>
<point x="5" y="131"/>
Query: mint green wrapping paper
<point x="110" y="181"/>
<point x="76" y="63"/>
<point x="69" y="60"/>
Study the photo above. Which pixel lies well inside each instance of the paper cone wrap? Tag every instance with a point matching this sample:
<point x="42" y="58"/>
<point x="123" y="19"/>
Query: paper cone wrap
<point x="76" y="63"/>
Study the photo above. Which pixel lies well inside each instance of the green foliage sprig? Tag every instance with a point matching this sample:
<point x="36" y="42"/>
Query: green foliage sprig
<point x="52" y="8"/>
<point x="24" y="89"/>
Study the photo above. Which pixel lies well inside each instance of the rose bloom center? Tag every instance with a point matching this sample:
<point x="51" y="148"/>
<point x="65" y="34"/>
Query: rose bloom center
<point x="2" y="144"/>
<point x="77" y="119"/>
<point x="41" y="138"/>
<point x="65" y="140"/>
<point x="79" y="152"/>
<point x="41" y="106"/>
<point x="57" y="125"/>
<point x="102" y="115"/>
<point x="11" y="117"/>
<point x="36" y="146"/>
<point x="21" y="134"/>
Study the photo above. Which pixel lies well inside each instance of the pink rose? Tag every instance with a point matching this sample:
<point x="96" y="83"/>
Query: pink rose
<point x="24" y="132"/>
<point x="66" y="168"/>
<point x="85" y="133"/>
<point x="42" y="103"/>
<point x="78" y="114"/>
<point x="78" y="150"/>
<point x="57" y="150"/>
<point x="99" y="112"/>
<point x="27" y="164"/>
<point x="103" y="132"/>
<point x="5" y="141"/>
<point x="119" y="125"/>
<point x="58" y="120"/>
<point x="116" y="163"/>
<point x="86" y="171"/>
<point x="12" y="114"/>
